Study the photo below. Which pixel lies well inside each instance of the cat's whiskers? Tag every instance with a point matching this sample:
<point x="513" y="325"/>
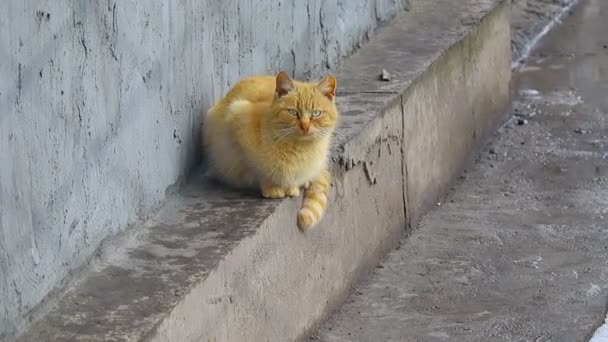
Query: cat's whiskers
<point x="339" y="133"/>
<point x="323" y="132"/>
<point x="282" y="133"/>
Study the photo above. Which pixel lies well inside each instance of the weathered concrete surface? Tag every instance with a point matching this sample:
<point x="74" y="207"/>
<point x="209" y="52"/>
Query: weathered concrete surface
<point x="444" y="114"/>
<point x="518" y="251"/>
<point x="100" y="111"/>
<point x="531" y="18"/>
<point x="220" y="266"/>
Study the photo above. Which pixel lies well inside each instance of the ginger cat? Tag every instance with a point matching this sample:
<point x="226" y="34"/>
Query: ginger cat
<point x="274" y="133"/>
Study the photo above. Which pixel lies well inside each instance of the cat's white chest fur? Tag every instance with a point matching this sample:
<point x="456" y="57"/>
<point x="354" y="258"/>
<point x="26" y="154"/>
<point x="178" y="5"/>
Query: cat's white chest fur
<point x="311" y="171"/>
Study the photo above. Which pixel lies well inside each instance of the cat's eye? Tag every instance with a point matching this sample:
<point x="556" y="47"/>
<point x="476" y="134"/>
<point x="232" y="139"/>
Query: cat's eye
<point x="293" y="112"/>
<point x="316" y="113"/>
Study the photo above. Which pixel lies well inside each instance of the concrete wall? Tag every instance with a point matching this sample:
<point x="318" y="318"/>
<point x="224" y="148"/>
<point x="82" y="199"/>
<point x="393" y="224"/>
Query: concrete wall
<point x="100" y="107"/>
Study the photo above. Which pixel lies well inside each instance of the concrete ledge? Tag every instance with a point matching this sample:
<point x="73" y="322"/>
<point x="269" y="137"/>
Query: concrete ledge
<point x="215" y="265"/>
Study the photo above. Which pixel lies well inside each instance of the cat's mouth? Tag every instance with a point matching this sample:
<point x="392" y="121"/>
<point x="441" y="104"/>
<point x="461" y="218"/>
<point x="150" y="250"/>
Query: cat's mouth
<point x="307" y="133"/>
<point x="302" y="135"/>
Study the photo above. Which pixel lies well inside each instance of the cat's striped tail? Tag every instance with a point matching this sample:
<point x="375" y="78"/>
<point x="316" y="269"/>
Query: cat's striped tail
<point x="315" y="201"/>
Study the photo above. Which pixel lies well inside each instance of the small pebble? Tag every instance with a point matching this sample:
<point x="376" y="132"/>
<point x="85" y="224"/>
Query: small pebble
<point x="530" y="92"/>
<point x="385" y="76"/>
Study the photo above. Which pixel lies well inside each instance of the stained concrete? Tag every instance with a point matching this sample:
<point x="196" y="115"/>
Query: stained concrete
<point x="101" y="106"/>
<point x="517" y="252"/>
<point x="216" y="265"/>
<point x="530" y="18"/>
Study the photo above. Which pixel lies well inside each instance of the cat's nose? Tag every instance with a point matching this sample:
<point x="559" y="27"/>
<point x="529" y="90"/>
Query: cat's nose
<point x="305" y="126"/>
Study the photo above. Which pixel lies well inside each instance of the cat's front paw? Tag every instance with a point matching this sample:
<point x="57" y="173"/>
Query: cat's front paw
<point x="272" y="192"/>
<point x="292" y="191"/>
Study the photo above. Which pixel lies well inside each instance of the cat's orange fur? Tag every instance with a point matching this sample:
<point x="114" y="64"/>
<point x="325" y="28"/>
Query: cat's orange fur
<point x="274" y="133"/>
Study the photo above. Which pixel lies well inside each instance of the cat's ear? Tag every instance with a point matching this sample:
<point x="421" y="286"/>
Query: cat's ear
<point x="327" y="86"/>
<point x="284" y="84"/>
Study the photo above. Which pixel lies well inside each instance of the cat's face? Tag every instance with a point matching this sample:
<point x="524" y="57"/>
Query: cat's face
<point x="304" y="111"/>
